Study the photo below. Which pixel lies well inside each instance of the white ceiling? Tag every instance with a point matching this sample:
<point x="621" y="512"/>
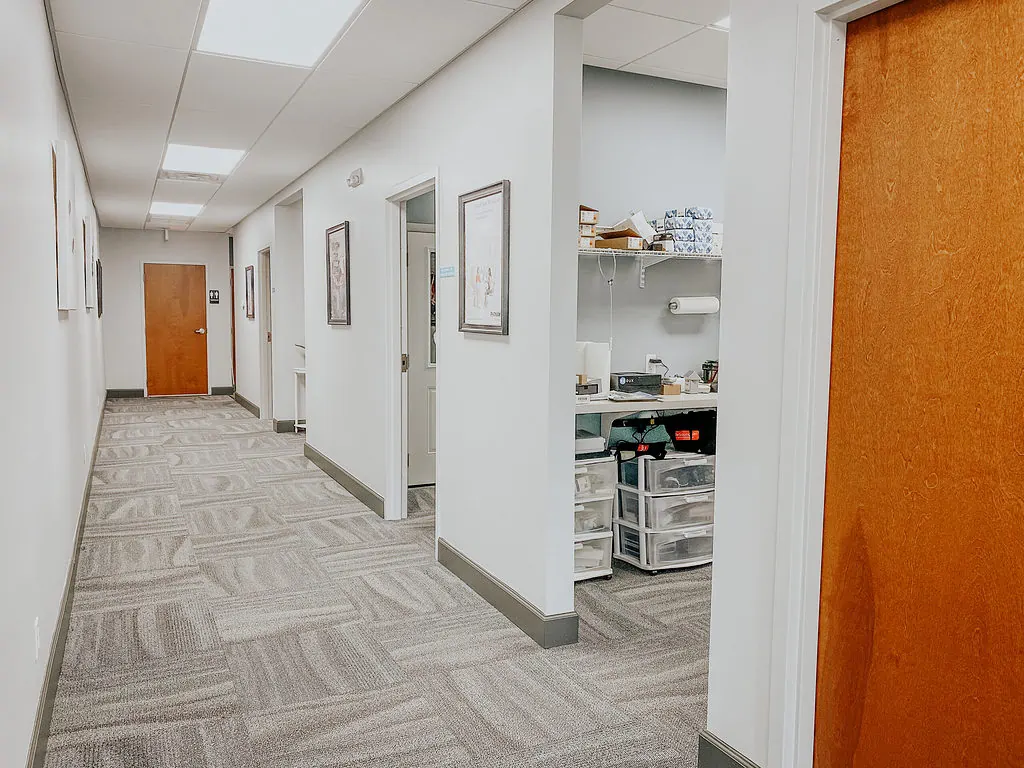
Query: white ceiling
<point x="136" y="83"/>
<point x="665" y="38"/>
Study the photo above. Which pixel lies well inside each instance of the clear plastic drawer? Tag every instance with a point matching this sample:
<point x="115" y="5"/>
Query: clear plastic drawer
<point x="595" y="479"/>
<point x="667" y="512"/>
<point x="594" y="516"/>
<point x="690" y="546"/>
<point x="675" y="473"/>
<point x="593" y="555"/>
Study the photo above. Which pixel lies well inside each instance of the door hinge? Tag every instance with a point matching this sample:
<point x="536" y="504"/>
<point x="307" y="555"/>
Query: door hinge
<point x="405" y="363"/>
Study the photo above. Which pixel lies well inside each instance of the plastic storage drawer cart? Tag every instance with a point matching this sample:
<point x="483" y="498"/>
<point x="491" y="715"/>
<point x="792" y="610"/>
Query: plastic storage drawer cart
<point x="666" y="511"/>
<point x="593" y="516"/>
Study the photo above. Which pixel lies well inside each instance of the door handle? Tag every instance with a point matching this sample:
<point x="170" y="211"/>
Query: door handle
<point x="201" y="331"/>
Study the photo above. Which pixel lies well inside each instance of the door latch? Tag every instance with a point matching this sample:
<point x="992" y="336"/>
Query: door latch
<point x="405" y="363"/>
<point x="268" y="337"/>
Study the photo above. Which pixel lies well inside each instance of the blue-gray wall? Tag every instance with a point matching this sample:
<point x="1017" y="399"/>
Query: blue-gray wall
<point x="650" y="144"/>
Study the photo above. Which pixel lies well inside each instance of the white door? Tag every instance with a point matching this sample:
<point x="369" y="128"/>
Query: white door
<point x="422" y="359"/>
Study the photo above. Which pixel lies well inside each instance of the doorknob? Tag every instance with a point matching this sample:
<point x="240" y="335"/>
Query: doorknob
<point x="200" y="331"/>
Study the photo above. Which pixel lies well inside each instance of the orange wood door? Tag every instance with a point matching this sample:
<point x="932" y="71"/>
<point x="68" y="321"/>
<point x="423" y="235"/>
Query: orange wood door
<point x="176" y="361"/>
<point x="921" y="639"/>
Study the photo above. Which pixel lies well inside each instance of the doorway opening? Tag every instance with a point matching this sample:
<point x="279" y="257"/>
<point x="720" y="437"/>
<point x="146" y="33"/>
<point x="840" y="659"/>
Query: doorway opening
<point x="412" y="317"/>
<point x="266" y="337"/>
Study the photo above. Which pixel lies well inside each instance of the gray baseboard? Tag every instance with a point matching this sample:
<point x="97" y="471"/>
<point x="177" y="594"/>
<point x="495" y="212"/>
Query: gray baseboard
<point x="44" y="710"/>
<point x="366" y="495"/>
<point x="247" y="404"/>
<point x="119" y="393"/>
<point x="712" y="752"/>
<point x="284" y="425"/>
<point x="222" y="390"/>
<point x="547" y="631"/>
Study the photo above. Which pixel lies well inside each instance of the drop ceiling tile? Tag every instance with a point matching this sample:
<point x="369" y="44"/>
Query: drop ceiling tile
<point x="173" y="191"/>
<point x="704" y="53"/>
<point x="168" y="24"/>
<point x="597" y="61"/>
<point x="99" y="121"/>
<point x="621" y="35"/>
<point x="115" y="72"/>
<point x="222" y="84"/>
<point x="332" y="99"/>
<point x="697" y="11"/>
<point x="116" y="211"/>
<point x="427" y="35"/>
<point x="227" y="129"/>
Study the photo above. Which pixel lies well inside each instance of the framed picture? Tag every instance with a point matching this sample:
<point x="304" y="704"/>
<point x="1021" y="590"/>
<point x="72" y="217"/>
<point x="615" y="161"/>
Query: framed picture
<point x="99" y="288"/>
<point x="483" y="259"/>
<point x="339" y="289"/>
<point x="250" y="292"/>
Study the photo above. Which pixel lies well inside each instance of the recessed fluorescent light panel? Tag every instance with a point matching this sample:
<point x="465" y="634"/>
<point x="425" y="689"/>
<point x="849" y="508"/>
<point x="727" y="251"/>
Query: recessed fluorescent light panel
<point x="293" y="32"/>
<point x="722" y="23"/>
<point x="181" y="157"/>
<point x="184" y="210"/>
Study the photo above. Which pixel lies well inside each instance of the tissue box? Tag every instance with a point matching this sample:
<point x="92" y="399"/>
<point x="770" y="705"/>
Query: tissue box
<point x="588" y="215"/>
<point x="685" y="235"/>
<point x="699" y="213"/>
<point x="678" y="222"/>
<point x="704" y="249"/>
<point x="703" y="227"/>
<point x="682" y="246"/>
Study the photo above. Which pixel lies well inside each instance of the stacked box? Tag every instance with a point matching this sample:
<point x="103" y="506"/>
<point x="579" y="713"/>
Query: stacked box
<point x="694" y="227"/>
<point x="588" y="226"/>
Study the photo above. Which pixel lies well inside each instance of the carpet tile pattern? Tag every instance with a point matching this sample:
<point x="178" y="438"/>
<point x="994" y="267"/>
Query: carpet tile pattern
<point x="236" y="608"/>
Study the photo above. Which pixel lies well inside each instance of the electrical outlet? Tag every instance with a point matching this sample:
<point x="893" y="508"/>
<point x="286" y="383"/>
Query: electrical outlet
<point x="37" y="638"/>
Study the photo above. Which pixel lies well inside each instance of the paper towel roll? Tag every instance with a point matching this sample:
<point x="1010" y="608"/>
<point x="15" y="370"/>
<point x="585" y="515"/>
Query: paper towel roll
<point x="694" y="305"/>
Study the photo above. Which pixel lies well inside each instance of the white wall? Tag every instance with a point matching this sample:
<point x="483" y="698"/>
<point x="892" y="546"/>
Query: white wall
<point x="287" y="305"/>
<point x="499" y="503"/>
<point x="51" y="384"/>
<point x="650" y="144"/>
<point x="762" y="50"/>
<point x="124" y="253"/>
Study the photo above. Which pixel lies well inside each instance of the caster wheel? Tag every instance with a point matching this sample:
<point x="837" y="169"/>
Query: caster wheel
<point x="608" y="577"/>
<point x="654" y="573"/>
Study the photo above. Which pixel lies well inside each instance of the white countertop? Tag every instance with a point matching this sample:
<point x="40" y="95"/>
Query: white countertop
<point x="665" y="403"/>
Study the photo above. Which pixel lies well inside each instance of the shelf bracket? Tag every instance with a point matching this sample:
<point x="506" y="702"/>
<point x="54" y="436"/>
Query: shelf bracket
<point x="646" y="262"/>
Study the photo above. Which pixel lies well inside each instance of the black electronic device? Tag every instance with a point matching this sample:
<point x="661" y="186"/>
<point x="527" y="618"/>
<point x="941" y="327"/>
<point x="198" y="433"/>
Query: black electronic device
<point x="637" y="382"/>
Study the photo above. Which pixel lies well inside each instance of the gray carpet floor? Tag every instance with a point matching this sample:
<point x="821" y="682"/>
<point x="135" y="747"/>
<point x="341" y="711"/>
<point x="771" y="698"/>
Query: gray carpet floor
<point x="234" y="607"/>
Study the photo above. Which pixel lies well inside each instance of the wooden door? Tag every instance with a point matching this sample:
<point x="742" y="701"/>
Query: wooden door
<point x="175" y="298"/>
<point x="921" y="640"/>
<point x="422" y="412"/>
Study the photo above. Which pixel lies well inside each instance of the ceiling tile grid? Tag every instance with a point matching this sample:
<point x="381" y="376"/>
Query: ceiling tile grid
<point x="675" y="39"/>
<point x="284" y="90"/>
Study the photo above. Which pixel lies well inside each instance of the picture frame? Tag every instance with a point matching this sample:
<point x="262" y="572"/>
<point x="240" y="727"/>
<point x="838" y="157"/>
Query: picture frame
<point x="99" y="288"/>
<point x="339" y="284"/>
<point x="250" y="292"/>
<point x="484" y="227"/>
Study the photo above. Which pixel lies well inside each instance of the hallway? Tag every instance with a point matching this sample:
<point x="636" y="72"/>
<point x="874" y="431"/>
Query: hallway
<point x="235" y="607"/>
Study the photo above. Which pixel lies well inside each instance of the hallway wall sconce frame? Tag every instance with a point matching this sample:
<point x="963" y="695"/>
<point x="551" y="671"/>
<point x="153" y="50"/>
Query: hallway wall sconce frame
<point x="250" y="292"/>
<point x="484" y="259"/>
<point x="339" y="288"/>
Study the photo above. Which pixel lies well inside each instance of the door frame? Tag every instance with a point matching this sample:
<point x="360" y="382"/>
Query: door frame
<point x="396" y="415"/>
<point x="142" y="317"/>
<point x="807" y="349"/>
<point x="264" y="310"/>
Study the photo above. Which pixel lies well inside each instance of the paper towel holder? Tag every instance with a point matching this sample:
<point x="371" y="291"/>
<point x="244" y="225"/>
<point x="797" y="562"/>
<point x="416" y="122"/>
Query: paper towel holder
<point x="694" y="305"/>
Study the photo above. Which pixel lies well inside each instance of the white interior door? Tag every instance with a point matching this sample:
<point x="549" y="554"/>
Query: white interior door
<point x="422" y="410"/>
<point x="266" y="324"/>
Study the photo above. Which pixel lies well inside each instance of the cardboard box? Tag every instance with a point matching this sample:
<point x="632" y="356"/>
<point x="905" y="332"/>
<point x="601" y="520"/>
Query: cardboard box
<point x="587" y="242"/>
<point x="588" y="215"/>
<point x="588" y="230"/>
<point x="671" y="389"/>
<point x="621" y="243"/>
